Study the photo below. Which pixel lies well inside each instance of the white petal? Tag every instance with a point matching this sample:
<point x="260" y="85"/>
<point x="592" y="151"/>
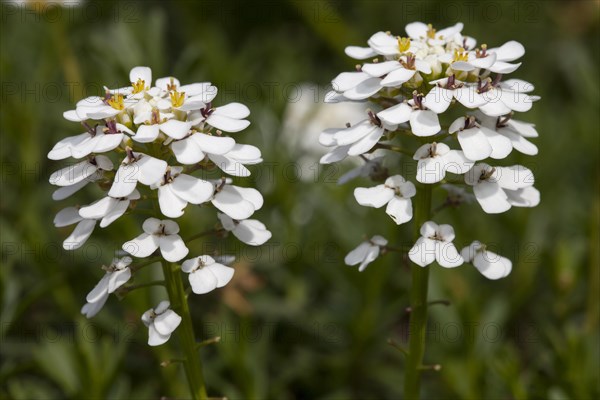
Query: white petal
<point x="98" y="209"/>
<point x="364" y="89"/>
<point x="437" y="100"/>
<point x="227" y="124"/>
<point x="423" y="252"/>
<point x="251" y="232"/>
<point x="491" y="197"/>
<point x="245" y="153"/>
<point x="213" y="144"/>
<point x="91" y="309"/>
<point x="337" y="154"/>
<point x="73" y="174"/>
<point x="520" y="102"/>
<point x="494" y="107"/>
<point x="380" y="69"/>
<point x="80" y="234"/>
<point x="396" y="114"/>
<point x="428" y="229"/>
<point x="172" y="248"/>
<point x="171" y="205"/>
<point x="348" y="80"/>
<point x="151" y="170"/>
<point x="118" y="279"/>
<point x="125" y="181"/>
<point x="233" y="110"/>
<point x="357" y="255"/>
<point x="250" y="194"/>
<point x="372" y="254"/>
<point x="514" y="177"/>
<point x="67" y="216"/>
<point x="146" y="133"/>
<point x="523" y="128"/>
<point x="526" y="197"/>
<point x="474" y="144"/>
<point x="143" y="73"/>
<point x="187" y="151"/>
<point x="424" y="123"/>
<point x="99" y="291"/>
<point x="501" y="145"/>
<point x="400" y="209"/>
<point x="167" y="322"/>
<point x="431" y="170"/>
<point x="376" y="196"/>
<point x="223" y="273"/>
<point x="359" y="53"/>
<point x="142" y="246"/>
<point x="108" y="142"/>
<point x="366" y="143"/>
<point x="398" y="77"/>
<point x="468" y="97"/>
<point x="117" y="211"/>
<point x="447" y="256"/>
<point x="456" y="162"/>
<point x="354" y="133"/>
<point x="491" y="265"/>
<point x="384" y="44"/>
<point x="175" y="129"/>
<point x="155" y="338"/>
<point x="416" y="30"/>
<point x="202" y="281"/>
<point x="509" y="51"/>
<point x="66" y="191"/>
<point x="191" y="189"/>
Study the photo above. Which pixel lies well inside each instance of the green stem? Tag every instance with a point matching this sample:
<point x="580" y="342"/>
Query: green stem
<point x="418" y="304"/>
<point x="192" y="363"/>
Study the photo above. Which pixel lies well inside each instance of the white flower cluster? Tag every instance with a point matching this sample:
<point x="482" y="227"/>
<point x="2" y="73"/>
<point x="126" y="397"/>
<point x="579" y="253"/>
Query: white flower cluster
<point x="411" y="82"/>
<point x="147" y="129"/>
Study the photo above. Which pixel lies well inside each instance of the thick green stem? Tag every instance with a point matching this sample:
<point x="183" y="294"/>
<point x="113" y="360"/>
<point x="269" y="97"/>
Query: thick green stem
<point x="418" y="304"/>
<point x="192" y="362"/>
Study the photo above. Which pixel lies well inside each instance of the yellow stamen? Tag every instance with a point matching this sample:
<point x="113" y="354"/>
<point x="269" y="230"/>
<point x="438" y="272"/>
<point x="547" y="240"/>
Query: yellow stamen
<point x="460" y="55"/>
<point x="403" y="44"/>
<point x="177" y="98"/>
<point x="116" y="102"/>
<point x="138" y="86"/>
<point x="430" y="31"/>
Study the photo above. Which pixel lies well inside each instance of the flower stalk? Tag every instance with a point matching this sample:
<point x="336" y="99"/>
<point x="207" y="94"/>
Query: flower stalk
<point x="192" y="362"/>
<point x="418" y="304"/>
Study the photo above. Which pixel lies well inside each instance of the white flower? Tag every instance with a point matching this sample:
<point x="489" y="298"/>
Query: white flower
<point x="515" y="131"/>
<point x="81" y="171"/>
<point x="435" y="159"/>
<point x="366" y="252"/>
<point x="158" y="234"/>
<point x="420" y="31"/>
<point x="228" y="118"/>
<point x="249" y="231"/>
<point x="440" y="96"/>
<point x="161" y="322"/>
<point x="176" y="190"/>
<point x="205" y="274"/>
<point x="235" y="160"/>
<point x="396" y="192"/>
<point x="172" y="128"/>
<point x="81" y="233"/>
<point x="194" y="148"/>
<point x="397" y="72"/>
<point x="435" y="244"/>
<point x="490" y="264"/>
<point x="500" y="100"/>
<point x="461" y="60"/>
<point x="117" y="274"/>
<point x="499" y="188"/>
<point x="171" y="95"/>
<point x="136" y="167"/>
<point x="354" y="140"/>
<point x="99" y="139"/>
<point x="108" y="209"/>
<point x="96" y="107"/>
<point x="479" y="142"/>
<point x="423" y="122"/>
<point x="237" y="202"/>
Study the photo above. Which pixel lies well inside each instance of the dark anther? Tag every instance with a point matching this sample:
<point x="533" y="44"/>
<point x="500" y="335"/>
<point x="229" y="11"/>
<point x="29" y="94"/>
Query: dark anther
<point x="374" y="118"/>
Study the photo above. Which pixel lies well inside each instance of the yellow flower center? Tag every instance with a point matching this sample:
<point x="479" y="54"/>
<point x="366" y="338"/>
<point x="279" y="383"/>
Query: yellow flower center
<point x="138" y="86"/>
<point x="403" y="44"/>
<point x="430" y="31"/>
<point x="460" y="55"/>
<point x="177" y="98"/>
<point x="116" y="102"/>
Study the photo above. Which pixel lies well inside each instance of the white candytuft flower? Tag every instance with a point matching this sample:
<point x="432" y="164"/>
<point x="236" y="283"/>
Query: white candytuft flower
<point x="416" y="86"/>
<point x="137" y="134"/>
<point x="161" y="322"/>
<point x="205" y="274"/>
<point x="490" y="264"/>
<point x="366" y="252"/>
<point x="117" y="274"/>
<point x="435" y="244"/>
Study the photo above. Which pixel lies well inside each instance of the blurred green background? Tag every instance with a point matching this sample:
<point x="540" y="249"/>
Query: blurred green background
<point x="296" y="323"/>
